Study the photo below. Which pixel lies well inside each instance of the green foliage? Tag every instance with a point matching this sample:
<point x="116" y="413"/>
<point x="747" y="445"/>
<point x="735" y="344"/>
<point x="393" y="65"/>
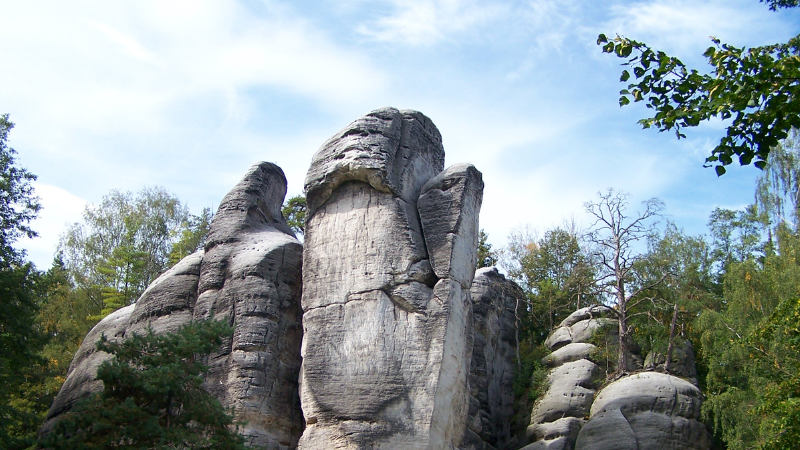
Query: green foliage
<point x="556" y="274"/>
<point x="294" y="211"/>
<point x="691" y="285"/>
<point x="777" y="359"/>
<point x="486" y="256"/>
<point x="19" y="342"/>
<point x="778" y="187"/>
<point x="19" y="336"/>
<point x="741" y="348"/>
<point x="152" y="397"/>
<point x="123" y="244"/>
<point x="192" y="236"/>
<point x="737" y="235"/>
<point x="18" y="202"/>
<point x="757" y="88"/>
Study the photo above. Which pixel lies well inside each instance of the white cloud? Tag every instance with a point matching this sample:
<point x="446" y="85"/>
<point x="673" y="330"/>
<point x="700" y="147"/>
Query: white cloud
<point x="426" y="22"/>
<point x="683" y="27"/>
<point x="59" y="208"/>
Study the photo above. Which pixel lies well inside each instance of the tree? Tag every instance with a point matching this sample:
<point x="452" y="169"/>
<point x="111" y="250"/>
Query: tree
<point x="152" y="397"/>
<point x="19" y="338"/>
<point x="294" y="211"/>
<point x="747" y="358"/>
<point x="778" y="186"/>
<point x="690" y="287"/>
<point x="757" y="88"/>
<point x="613" y="236"/>
<point x="192" y="234"/>
<point x="486" y="256"/>
<point x="125" y="243"/>
<point x="556" y="274"/>
<point x="18" y="201"/>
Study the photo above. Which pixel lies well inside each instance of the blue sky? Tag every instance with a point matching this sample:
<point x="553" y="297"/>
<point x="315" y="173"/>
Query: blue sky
<point x="188" y="94"/>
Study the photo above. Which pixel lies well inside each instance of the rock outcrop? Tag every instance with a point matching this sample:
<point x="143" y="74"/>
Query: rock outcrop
<point x="379" y="333"/>
<point x="494" y="354"/>
<point x="559" y="415"/>
<point x="683" y="364"/>
<point x="249" y="275"/>
<point x="390" y="253"/>
<point x="646" y="411"/>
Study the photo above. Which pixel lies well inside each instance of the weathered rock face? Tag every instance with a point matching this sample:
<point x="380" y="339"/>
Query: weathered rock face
<point x="646" y="411"/>
<point x="390" y="245"/>
<point x="249" y="275"/>
<point x="559" y="415"/>
<point x="491" y="407"/>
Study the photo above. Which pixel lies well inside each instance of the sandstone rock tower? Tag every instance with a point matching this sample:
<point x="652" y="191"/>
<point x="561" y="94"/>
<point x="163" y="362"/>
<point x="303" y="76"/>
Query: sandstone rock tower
<point x="390" y="254"/>
<point x="248" y="275"/>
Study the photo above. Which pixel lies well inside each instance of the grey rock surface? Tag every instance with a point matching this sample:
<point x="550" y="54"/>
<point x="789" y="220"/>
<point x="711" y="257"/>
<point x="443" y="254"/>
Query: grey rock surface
<point x="573" y="351"/>
<point x="646" y="411"/>
<point x="387" y="332"/>
<point x="494" y="301"/>
<point x="249" y="275"/>
<point x="590" y="312"/>
<point x="559" y="414"/>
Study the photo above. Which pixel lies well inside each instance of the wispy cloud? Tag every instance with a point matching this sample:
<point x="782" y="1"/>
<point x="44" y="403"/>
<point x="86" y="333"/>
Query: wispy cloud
<point x="426" y="22"/>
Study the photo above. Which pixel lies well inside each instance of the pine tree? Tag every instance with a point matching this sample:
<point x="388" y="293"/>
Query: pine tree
<point x="152" y="397"/>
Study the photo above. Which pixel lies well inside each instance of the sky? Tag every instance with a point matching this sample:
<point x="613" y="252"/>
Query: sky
<point x="188" y="94"/>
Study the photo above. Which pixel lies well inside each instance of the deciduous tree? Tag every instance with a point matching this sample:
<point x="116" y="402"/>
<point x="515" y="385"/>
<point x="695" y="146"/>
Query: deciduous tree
<point x="757" y="88"/>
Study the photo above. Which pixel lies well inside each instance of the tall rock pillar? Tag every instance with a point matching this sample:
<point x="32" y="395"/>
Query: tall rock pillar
<point x="390" y="252"/>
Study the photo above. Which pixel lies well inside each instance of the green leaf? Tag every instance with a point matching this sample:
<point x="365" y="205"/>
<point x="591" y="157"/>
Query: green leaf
<point x="720" y="170"/>
<point x="709" y="52"/>
<point x="601" y="39"/>
<point x="624" y="101"/>
<point x="625" y="76"/>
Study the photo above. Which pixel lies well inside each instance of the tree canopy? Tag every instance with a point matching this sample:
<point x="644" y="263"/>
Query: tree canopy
<point x="152" y="397"/>
<point x="19" y="337"/>
<point x="757" y="88"/>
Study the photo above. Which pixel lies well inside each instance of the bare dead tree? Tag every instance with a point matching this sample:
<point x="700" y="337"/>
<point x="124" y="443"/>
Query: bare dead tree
<point x="613" y="236"/>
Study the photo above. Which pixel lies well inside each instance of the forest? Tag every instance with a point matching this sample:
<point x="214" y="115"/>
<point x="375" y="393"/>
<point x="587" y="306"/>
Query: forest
<point x="733" y="293"/>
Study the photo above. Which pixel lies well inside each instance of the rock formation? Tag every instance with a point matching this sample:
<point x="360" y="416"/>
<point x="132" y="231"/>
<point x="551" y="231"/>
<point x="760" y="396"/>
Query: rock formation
<point x="494" y="362"/>
<point x="403" y="344"/>
<point x="390" y="252"/>
<point x="646" y="411"/>
<point x="248" y="275"/>
<point x="559" y="415"/>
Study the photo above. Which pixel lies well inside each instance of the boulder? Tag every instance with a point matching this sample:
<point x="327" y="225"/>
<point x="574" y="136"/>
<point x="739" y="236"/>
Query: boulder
<point x="559" y="414"/>
<point x="387" y="329"/>
<point x="646" y="411"/>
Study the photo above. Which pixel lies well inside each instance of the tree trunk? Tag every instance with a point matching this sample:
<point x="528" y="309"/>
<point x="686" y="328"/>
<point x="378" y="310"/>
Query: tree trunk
<point x="622" y="360"/>
<point x="671" y="344"/>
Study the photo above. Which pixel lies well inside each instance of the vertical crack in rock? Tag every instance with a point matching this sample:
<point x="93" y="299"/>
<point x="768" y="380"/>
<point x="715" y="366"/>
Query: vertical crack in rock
<point x="387" y="336"/>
